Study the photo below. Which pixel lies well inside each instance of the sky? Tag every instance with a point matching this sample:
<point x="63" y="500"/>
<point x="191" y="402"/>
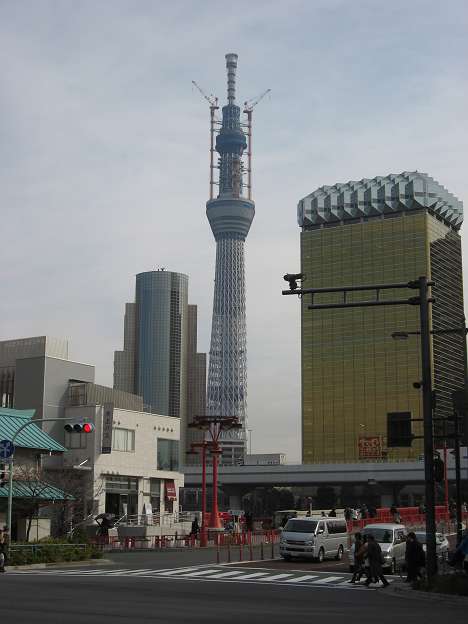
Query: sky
<point x="104" y="155"/>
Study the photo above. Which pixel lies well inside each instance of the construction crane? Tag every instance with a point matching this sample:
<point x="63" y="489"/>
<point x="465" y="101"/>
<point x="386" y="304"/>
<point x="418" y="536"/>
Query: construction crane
<point x="211" y="99"/>
<point x="250" y="104"/>
<point x="213" y="102"/>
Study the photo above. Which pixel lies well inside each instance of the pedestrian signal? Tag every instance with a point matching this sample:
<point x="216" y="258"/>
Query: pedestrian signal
<point x="84" y="427"/>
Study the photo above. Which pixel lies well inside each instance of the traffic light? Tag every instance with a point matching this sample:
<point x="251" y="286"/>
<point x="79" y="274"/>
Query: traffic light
<point x="83" y="427"/>
<point x="399" y="429"/>
<point x="3" y="475"/>
<point x="439" y="470"/>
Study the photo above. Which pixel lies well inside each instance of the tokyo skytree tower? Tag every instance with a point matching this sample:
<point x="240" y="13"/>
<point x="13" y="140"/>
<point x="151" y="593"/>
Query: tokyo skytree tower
<point x="230" y="215"/>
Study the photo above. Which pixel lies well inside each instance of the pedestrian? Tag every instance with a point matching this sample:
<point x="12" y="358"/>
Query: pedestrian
<point x="374" y="554"/>
<point x="459" y="557"/>
<point x="3" y="548"/>
<point x="395" y="514"/>
<point x="364" y="511"/>
<point x="348" y="514"/>
<point x="194" y="531"/>
<point x="248" y="518"/>
<point x="359" y="556"/>
<point x="415" y="558"/>
<point x="332" y="513"/>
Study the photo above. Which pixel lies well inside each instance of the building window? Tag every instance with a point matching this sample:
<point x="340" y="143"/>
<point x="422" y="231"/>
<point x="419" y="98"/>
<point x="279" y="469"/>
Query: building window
<point x="123" y="440"/>
<point x="121" y="484"/>
<point x="168" y="454"/>
<point x="75" y="440"/>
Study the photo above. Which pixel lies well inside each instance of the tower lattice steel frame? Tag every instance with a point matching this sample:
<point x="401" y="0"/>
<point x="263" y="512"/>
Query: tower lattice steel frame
<point x="230" y="215"/>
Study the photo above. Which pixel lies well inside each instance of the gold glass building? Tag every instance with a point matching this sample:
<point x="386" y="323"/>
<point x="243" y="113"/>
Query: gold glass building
<point x="354" y="374"/>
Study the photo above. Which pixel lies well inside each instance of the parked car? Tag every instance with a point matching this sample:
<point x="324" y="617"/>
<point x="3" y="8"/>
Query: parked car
<point x="392" y="541"/>
<point x="442" y="543"/>
<point x="314" y="538"/>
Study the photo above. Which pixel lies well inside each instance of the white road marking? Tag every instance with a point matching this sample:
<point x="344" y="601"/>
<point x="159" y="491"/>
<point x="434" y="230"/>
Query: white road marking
<point x="199" y="573"/>
<point x="177" y="571"/>
<point x="276" y="577"/>
<point x="226" y="574"/>
<point x="250" y="576"/>
<point x="301" y="578"/>
<point x="328" y="579"/>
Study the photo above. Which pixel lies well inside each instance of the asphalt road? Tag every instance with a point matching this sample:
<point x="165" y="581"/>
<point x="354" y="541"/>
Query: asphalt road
<point x="40" y="597"/>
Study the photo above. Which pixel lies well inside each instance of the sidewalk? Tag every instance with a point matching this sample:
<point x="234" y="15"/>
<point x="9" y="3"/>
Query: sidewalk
<point x="404" y="590"/>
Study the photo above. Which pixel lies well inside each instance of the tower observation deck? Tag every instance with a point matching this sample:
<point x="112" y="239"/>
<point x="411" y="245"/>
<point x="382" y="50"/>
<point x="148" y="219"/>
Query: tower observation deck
<point x="230" y="215"/>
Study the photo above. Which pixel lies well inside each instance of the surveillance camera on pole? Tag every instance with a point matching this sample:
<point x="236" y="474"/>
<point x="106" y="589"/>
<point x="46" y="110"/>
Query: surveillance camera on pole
<point x="293" y="278"/>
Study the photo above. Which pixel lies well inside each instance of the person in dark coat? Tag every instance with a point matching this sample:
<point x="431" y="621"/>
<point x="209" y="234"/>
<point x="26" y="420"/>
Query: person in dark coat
<point x="195" y="530"/>
<point x="415" y="558"/>
<point x="359" y="555"/>
<point x="374" y="555"/>
<point x="332" y="513"/>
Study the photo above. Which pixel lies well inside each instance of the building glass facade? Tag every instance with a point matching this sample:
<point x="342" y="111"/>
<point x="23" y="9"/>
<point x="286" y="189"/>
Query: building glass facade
<point x="353" y="373"/>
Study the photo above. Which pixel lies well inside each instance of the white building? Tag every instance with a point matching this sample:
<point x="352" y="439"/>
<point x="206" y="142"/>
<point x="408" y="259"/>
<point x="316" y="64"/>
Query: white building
<point x="132" y="459"/>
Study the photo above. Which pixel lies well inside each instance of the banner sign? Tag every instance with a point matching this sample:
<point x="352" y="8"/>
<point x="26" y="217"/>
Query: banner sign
<point x="107" y="422"/>
<point x="370" y="447"/>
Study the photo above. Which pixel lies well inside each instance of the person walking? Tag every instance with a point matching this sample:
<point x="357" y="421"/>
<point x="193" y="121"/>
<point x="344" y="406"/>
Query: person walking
<point x="359" y="556"/>
<point x="415" y="558"/>
<point x="374" y="555"/>
<point x="332" y="513"/>
<point x="3" y="548"/>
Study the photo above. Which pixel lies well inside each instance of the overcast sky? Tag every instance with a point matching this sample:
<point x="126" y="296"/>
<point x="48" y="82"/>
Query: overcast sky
<point x="104" y="154"/>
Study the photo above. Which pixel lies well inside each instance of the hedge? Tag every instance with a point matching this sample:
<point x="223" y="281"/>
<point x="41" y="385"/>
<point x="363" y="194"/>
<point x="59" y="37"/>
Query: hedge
<point x="23" y="554"/>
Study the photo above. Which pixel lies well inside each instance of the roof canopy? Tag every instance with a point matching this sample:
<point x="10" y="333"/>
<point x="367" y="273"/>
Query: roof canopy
<point x="380" y="196"/>
<point x="31" y="437"/>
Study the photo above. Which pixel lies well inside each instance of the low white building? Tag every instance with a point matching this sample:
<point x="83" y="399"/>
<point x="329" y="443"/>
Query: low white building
<point x="132" y="460"/>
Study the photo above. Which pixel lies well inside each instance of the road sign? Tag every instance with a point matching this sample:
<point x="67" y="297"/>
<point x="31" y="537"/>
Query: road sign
<point x="6" y="449"/>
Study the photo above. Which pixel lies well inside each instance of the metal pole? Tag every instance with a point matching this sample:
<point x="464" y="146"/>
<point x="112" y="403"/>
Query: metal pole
<point x="10" y="503"/>
<point x="431" y="559"/>
<point x="215" y="520"/>
<point x="203" y="539"/>
<point x="446" y="488"/>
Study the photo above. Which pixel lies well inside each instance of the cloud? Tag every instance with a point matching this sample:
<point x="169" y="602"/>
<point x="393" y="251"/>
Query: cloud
<point x="104" y="154"/>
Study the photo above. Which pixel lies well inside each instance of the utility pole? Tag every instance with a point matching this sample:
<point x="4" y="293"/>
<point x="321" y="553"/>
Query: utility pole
<point x="426" y="361"/>
<point x="422" y="300"/>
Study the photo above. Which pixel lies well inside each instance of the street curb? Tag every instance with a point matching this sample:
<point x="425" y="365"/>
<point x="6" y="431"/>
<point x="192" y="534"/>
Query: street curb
<point x="59" y="564"/>
<point x="400" y="591"/>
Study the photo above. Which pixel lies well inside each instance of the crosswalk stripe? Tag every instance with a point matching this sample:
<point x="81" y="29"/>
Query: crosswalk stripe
<point x="226" y="574"/>
<point x="301" y="578"/>
<point x="328" y="579"/>
<point x="251" y="576"/>
<point x="177" y="571"/>
<point x="130" y="572"/>
<point x="199" y="573"/>
<point x="276" y="577"/>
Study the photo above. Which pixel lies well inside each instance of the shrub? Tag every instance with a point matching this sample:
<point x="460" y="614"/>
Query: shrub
<point x="51" y="551"/>
<point x="456" y="584"/>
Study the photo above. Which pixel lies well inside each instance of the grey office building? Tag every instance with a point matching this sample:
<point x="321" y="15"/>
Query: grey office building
<point x="159" y="360"/>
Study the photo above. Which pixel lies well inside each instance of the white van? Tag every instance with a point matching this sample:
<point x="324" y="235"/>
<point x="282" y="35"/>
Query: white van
<point x="314" y="538"/>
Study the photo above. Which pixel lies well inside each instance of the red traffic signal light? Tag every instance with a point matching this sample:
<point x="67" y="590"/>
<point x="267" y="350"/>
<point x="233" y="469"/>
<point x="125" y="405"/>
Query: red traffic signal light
<point x="85" y="427"/>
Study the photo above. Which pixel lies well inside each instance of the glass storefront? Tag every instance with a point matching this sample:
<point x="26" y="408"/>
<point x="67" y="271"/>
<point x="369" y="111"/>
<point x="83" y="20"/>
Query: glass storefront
<point x="121" y="495"/>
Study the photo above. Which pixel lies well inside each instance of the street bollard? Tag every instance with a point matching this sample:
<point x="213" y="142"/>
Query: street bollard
<point x="240" y="552"/>
<point x="229" y="552"/>
<point x="261" y="550"/>
<point x="250" y="547"/>
<point x="272" y="547"/>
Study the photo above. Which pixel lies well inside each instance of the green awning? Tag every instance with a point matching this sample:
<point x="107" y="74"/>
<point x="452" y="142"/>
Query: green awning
<point x="40" y="490"/>
<point x="31" y="437"/>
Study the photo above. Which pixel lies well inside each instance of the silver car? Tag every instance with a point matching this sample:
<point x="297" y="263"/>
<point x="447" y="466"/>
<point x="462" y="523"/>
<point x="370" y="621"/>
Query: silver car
<point x="442" y="543"/>
<point x="392" y="541"/>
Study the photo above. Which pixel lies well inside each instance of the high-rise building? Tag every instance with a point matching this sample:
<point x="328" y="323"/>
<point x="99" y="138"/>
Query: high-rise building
<point x="355" y="377"/>
<point x="196" y="384"/>
<point x="159" y="360"/>
<point x="230" y="215"/>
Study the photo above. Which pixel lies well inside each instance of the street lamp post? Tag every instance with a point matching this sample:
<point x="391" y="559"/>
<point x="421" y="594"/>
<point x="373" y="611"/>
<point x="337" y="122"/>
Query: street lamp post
<point x="422" y="301"/>
<point x="214" y="426"/>
<point x="463" y="331"/>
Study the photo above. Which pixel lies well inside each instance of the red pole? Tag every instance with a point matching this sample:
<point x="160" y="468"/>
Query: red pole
<point x="203" y="537"/>
<point x="215" y="519"/>
<point x="446" y="480"/>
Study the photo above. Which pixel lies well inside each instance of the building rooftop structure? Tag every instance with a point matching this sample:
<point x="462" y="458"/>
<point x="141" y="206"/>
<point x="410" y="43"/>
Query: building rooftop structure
<point x="382" y="196"/>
